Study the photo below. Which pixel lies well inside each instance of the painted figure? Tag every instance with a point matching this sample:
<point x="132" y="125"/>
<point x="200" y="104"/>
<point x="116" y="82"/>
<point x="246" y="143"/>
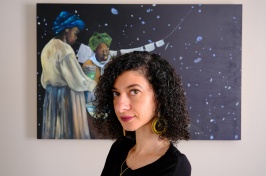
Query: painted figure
<point x="99" y="44"/>
<point x="93" y="67"/>
<point x="64" y="110"/>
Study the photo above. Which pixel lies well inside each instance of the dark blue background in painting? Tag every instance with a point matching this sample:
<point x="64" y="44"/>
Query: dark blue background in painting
<point x="203" y="42"/>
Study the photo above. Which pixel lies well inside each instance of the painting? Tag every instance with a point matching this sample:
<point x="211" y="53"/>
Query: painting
<point x="202" y="41"/>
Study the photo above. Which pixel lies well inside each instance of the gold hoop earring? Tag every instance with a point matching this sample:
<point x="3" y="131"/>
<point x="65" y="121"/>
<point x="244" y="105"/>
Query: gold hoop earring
<point x="124" y="132"/>
<point x="155" y="125"/>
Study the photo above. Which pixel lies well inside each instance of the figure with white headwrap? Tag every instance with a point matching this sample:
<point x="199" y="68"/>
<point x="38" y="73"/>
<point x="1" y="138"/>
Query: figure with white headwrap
<point x="64" y="109"/>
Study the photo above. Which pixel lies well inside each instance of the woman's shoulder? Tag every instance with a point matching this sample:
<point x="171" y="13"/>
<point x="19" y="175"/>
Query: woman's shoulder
<point x="121" y="147"/>
<point x="124" y="142"/>
<point x="180" y="160"/>
<point x="172" y="163"/>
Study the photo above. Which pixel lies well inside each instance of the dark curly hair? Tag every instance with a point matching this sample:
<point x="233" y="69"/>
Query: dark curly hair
<point x="166" y="83"/>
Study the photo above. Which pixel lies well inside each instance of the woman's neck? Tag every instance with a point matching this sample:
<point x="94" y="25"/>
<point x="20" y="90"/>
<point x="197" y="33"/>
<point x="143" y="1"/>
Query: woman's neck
<point x="146" y="141"/>
<point x="149" y="148"/>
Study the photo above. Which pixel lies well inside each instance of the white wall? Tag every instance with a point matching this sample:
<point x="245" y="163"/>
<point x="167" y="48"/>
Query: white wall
<point x="21" y="154"/>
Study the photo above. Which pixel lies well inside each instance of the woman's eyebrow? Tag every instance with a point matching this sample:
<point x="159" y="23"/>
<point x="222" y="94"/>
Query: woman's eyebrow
<point x="130" y="86"/>
<point x="134" y="85"/>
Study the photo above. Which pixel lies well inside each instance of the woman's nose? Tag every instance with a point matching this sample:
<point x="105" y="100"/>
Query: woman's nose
<point x="122" y="104"/>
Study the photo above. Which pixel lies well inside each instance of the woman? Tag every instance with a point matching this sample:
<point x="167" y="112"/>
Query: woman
<point x="141" y="97"/>
<point x="64" y="110"/>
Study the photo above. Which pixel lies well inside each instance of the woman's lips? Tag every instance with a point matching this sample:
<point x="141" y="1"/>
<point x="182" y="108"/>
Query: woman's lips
<point x="126" y="118"/>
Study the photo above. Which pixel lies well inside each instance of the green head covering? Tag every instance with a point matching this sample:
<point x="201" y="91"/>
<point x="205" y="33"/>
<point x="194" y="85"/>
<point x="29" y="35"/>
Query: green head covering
<point x="98" y="38"/>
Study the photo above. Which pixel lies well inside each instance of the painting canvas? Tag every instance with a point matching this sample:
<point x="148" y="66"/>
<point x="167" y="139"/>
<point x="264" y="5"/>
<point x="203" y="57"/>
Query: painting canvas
<point x="202" y="42"/>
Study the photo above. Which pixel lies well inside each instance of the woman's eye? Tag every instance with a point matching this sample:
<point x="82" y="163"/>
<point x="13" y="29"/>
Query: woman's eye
<point x="134" y="92"/>
<point x="115" y="94"/>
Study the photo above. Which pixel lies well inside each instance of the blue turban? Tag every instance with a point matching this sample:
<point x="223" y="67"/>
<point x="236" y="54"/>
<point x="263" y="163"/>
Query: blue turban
<point x="67" y="20"/>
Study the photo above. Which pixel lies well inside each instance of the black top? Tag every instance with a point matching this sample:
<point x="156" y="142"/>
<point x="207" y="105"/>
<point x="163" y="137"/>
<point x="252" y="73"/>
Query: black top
<point x="172" y="163"/>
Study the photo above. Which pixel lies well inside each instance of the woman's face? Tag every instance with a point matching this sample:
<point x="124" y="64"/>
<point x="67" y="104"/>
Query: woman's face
<point x="71" y="35"/>
<point x="134" y="100"/>
<point x="102" y="52"/>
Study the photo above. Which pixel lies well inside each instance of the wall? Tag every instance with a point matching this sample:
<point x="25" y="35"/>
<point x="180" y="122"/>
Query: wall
<point x="22" y="154"/>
